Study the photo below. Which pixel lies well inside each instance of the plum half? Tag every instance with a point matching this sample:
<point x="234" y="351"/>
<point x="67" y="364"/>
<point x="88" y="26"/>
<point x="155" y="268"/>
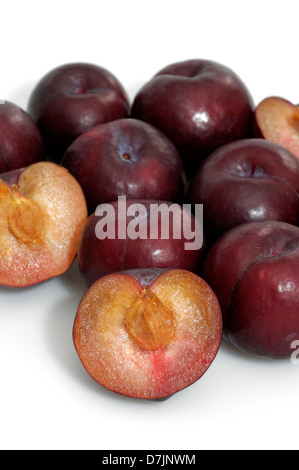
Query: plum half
<point x="277" y="119"/>
<point x="148" y="341"/>
<point x="199" y="104"/>
<point x="42" y="214"/>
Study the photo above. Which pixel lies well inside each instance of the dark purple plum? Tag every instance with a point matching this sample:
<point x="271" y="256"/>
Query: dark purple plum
<point x="253" y="270"/>
<point x="246" y="181"/>
<point x="121" y="238"/>
<point x="126" y="157"/>
<point x="73" y="98"/>
<point x="20" y="140"/>
<point x="199" y="104"/>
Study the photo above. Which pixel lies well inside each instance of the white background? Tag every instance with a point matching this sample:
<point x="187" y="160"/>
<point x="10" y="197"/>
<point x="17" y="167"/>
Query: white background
<point x="47" y="400"/>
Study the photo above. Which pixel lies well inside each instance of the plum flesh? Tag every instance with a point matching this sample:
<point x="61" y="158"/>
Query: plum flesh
<point x="148" y="341"/>
<point x="42" y="214"/>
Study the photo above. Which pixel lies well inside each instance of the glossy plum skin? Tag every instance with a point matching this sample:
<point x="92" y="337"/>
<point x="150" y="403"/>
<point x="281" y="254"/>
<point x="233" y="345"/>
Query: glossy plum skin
<point x="199" y="104"/>
<point x="125" y="157"/>
<point x="246" y="181"/>
<point x="99" y="257"/>
<point x="253" y="270"/>
<point x="73" y="98"/>
<point x="20" y="140"/>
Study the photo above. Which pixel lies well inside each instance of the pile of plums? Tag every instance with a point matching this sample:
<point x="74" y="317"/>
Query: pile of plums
<point x="154" y="312"/>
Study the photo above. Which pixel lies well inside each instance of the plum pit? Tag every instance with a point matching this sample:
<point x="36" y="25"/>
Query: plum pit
<point x="150" y="323"/>
<point x="25" y="218"/>
<point x="294" y="121"/>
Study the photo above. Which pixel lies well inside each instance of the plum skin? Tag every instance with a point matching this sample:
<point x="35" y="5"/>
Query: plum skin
<point x="97" y="258"/>
<point x="72" y="98"/>
<point x="199" y="104"/>
<point x="253" y="270"/>
<point x="21" y="143"/>
<point x="246" y="181"/>
<point x="125" y="157"/>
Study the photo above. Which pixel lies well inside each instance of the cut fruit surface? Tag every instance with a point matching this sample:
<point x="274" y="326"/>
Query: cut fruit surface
<point x="41" y="219"/>
<point x="277" y="119"/>
<point x="148" y="342"/>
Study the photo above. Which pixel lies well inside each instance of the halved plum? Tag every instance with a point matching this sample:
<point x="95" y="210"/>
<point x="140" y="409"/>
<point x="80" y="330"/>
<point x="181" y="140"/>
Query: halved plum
<point x="148" y="340"/>
<point x="276" y="119"/>
<point x="42" y="214"/>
